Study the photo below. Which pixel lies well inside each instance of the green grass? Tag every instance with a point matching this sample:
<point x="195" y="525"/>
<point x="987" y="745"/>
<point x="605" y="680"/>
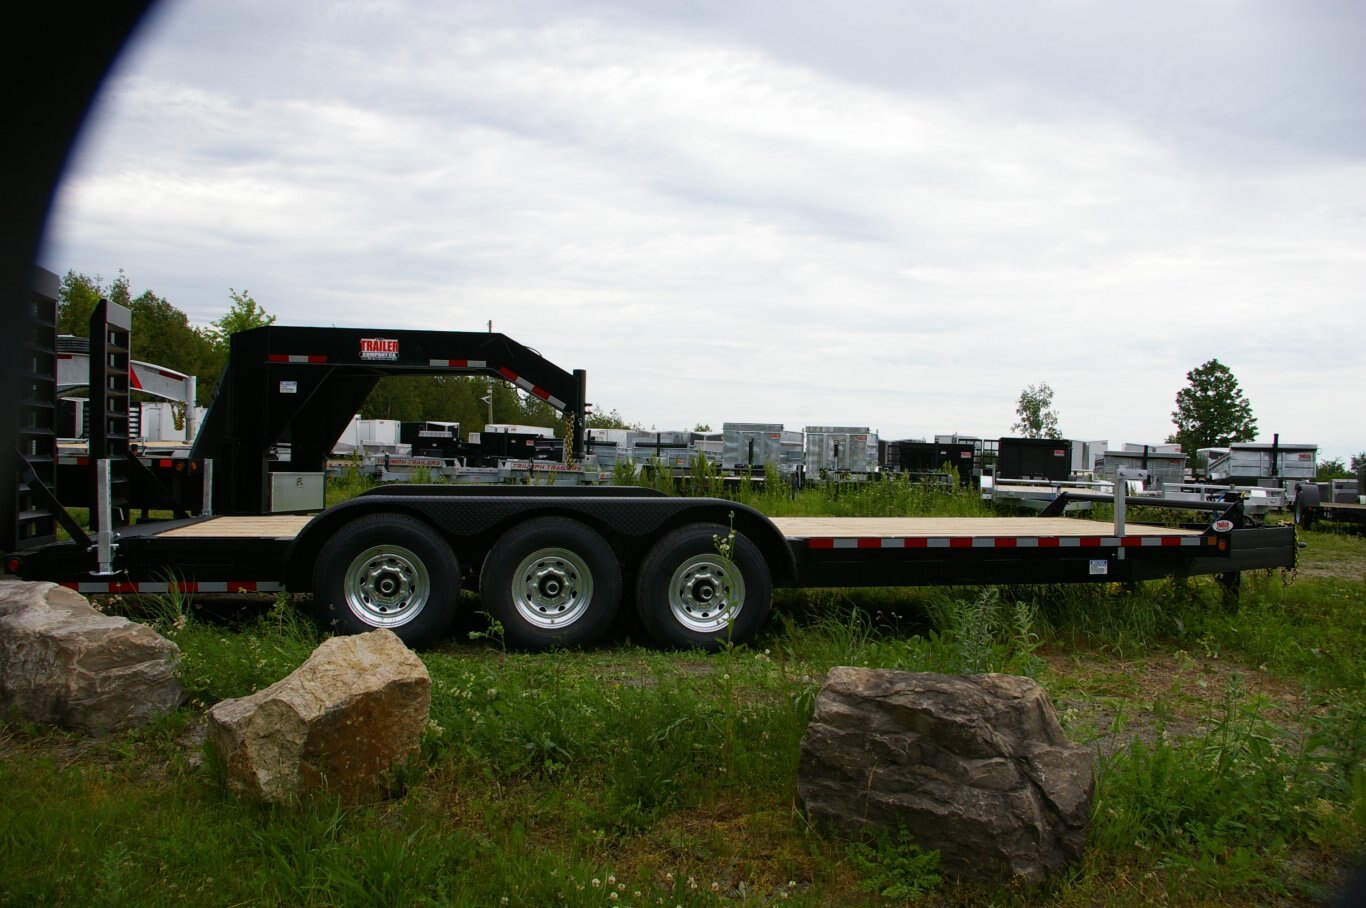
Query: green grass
<point x="1229" y="743"/>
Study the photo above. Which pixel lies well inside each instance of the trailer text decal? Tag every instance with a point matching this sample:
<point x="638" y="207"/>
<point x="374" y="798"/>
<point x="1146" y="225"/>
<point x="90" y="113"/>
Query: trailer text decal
<point x="378" y="348"/>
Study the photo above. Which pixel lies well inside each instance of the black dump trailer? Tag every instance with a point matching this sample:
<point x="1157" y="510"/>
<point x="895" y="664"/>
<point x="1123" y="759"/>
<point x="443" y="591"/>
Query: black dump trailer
<point x="1045" y="459"/>
<point x="554" y="565"/>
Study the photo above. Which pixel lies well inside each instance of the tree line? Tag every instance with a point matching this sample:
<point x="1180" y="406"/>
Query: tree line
<point x="163" y="335"/>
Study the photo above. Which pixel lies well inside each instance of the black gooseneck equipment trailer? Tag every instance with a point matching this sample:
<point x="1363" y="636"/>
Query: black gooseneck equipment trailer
<point x="553" y="565"/>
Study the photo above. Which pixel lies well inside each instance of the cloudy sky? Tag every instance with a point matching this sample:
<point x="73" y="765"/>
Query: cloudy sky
<point x="884" y="213"/>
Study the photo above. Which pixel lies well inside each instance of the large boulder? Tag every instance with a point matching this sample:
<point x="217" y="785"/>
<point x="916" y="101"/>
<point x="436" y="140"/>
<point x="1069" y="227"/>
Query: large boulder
<point x="341" y="722"/>
<point x="63" y="663"/>
<point x="976" y="767"/>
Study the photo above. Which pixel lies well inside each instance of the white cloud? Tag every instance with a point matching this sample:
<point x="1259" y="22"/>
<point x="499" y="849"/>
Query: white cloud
<point x="895" y="216"/>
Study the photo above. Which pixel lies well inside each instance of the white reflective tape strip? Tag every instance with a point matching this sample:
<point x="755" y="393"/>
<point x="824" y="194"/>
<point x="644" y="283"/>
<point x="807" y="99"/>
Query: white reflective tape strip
<point x="846" y="543"/>
<point x="893" y="543"/>
<point x="458" y="363"/>
<point x="1027" y="542"/>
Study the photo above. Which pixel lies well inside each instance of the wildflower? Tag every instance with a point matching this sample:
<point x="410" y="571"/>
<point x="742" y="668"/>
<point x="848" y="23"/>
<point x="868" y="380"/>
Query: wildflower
<point x="503" y="900"/>
<point x="596" y="882"/>
<point x="715" y="886"/>
<point x="612" y="880"/>
<point x="612" y="896"/>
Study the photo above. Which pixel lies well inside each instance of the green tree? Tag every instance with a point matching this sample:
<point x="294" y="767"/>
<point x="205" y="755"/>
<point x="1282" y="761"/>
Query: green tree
<point x="1332" y="468"/>
<point x="163" y="335"/>
<point x="244" y="314"/>
<point x="395" y="397"/>
<point x="1037" y="418"/>
<point x="1211" y="411"/>
<point x="1358" y="462"/>
<point x="609" y="420"/>
<point x="78" y="297"/>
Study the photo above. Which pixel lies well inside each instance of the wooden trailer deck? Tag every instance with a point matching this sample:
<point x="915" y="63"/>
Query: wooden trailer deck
<point x="283" y="526"/>
<point x="271" y="526"/>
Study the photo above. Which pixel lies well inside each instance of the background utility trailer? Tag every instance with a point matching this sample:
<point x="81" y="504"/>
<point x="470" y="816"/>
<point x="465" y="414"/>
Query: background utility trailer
<point x="552" y="565"/>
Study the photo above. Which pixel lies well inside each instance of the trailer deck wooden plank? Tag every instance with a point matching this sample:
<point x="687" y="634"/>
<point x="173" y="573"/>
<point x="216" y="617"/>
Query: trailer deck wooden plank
<point x="272" y="526"/>
<point x="976" y="527"/>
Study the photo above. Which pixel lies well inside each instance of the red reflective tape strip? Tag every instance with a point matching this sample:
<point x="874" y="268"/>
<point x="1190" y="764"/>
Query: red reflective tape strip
<point x="540" y="392"/>
<point x="916" y="542"/>
<point x="1130" y="542"/>
<point x="870" y="543"/>
<point x="507" y="373"/>
<point x="1089" y="541"/>
<point x="1049" y="542"/>
<point x="960" y="542"/>
<point x="164" y="464"/>
<point x="820" y="543"/>
<point x="295" y="358"/>
<point x="133" y="380"/>
<point x="1006" y="542"/>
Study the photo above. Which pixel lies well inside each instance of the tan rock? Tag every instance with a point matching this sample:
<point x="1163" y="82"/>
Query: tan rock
<point x="341" y="722"/>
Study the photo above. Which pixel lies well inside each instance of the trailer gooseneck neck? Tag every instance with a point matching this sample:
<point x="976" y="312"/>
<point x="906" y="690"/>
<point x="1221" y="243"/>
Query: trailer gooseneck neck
<point x="301" y="387"/>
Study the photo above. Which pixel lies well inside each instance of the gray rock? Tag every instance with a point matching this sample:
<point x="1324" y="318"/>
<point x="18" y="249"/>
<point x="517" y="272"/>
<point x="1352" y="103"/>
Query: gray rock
<point x="341" y="722"/>
<point x="63" y="663"/>
<point x="976" y="767"/>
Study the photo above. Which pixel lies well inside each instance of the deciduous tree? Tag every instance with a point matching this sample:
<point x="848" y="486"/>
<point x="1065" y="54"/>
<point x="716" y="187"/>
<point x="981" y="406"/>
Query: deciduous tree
<point x="1037" y="418"/>
<point x="244" y="314"/>
<point x="78" y="297"/>
<point x="1211" y="411"/>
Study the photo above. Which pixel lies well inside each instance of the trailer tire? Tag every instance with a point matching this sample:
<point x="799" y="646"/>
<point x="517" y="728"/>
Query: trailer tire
<point x="551" y="582"/>
<point x="689" y="594"/>
<point x="387" y="571"/>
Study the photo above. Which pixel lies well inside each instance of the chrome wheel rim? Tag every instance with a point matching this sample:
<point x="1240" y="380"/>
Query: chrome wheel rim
<point x="552" y="588"/>
<point x="387" y="586"/>
<point x="706" y="592"/>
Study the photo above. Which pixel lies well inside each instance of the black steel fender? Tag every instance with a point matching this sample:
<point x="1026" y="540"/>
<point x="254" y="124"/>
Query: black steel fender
<point x="471" y="523"/>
